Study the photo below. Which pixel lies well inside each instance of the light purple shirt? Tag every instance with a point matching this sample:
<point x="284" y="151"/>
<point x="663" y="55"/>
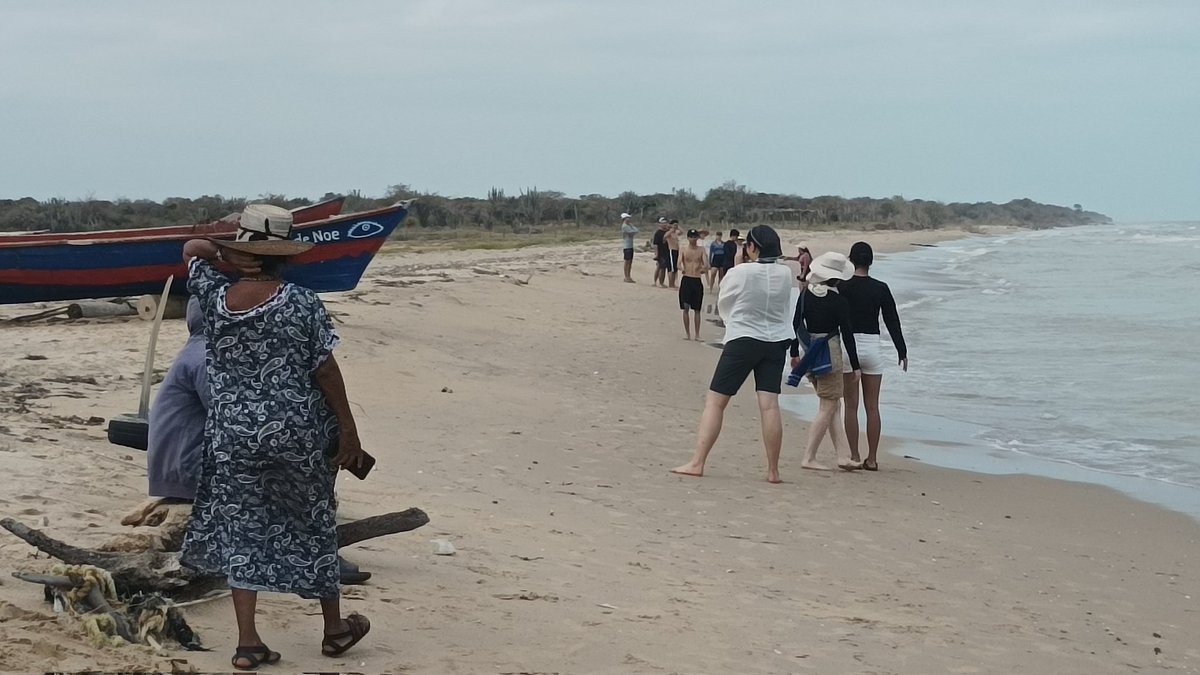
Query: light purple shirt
<point x="177" y="419"/>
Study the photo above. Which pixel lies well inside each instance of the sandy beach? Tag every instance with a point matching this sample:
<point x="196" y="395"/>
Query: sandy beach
<point x="531" y="404"/>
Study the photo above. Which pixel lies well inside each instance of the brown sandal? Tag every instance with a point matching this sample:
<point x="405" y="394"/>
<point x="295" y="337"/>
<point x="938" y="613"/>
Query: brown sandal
<point x="256" y="656"/>
<point x="358" y="627"/>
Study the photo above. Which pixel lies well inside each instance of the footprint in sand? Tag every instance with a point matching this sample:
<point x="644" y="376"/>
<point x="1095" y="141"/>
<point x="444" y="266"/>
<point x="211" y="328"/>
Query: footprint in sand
<point x="30" y="512"/>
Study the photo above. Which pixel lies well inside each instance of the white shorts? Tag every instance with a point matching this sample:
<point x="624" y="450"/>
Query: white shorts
<point x="870" y="354"/>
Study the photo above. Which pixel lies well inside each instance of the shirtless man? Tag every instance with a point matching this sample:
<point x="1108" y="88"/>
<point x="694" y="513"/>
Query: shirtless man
<point x="672" y="239"/>
<point x="694" y="261"/>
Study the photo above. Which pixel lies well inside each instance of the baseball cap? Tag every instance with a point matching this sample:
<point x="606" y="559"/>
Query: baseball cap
<point x="693" y="234"/>
<point x="662" y="219"/>
<point x="625" y="215"/>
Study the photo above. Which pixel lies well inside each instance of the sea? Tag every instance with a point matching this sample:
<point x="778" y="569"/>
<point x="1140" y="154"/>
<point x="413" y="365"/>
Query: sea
<point x="1071" y="353"/>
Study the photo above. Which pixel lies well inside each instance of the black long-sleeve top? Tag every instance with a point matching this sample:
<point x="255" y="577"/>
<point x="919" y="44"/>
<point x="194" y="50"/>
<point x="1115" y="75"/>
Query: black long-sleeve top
<point x="868" y="298"/>
<point x="825" y="315"/>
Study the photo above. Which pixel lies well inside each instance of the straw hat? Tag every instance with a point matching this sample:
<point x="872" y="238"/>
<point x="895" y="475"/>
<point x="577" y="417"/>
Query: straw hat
<point x="829" y="266"/>
<point x="265" y="230"/>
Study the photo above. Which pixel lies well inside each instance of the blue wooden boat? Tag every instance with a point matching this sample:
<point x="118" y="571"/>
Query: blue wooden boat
<point x="48" y="267"/>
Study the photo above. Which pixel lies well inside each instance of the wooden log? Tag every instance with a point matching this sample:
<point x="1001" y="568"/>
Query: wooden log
<point x="378" y="526"/>
<point x="132" y="572"/>
<point x="91" y="309"/>
<point x="162" y="572"/>
<point x="147" y="305"/>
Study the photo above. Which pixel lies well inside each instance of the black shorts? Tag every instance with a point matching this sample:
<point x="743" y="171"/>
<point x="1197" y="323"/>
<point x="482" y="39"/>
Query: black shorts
<point x="662" y="257"/>
<point x="743" y="356"/>
<point x="691" y="293"/>
<point x="717" y="262"/>
<point x="629" y="254"/>
<point x="673" y="265"/>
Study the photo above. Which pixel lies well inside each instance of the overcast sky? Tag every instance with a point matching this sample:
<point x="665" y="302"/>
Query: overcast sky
<point x="1095" y="102"/>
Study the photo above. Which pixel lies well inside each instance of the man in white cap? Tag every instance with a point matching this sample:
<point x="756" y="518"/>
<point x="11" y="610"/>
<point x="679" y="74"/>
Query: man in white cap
<point x="627" y="232"/>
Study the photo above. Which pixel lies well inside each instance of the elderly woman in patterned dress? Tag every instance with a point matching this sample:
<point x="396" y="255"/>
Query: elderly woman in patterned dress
<point x="278" y="428"/>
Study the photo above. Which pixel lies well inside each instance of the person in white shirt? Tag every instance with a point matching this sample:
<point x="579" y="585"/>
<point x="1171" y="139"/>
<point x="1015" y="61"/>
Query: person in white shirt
<point x="627" y="232"/>
<point x="755" y="302"/>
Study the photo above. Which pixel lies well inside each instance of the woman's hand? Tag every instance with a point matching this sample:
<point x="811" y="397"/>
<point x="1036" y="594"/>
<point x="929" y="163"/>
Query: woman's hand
<point x="795" y="362"/>
<point x="904" y="364"/>
<point x="856" y="376"/>
<point x="200" y="248"/>
<point x="350" y="454"/>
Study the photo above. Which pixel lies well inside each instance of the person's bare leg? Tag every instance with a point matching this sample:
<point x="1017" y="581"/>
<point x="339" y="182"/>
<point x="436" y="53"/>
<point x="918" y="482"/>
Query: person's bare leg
<point x="629" y="270"/>
<point x="696" y="321"/>
<point x="816" y="432"/>
<point x="871" y="384"/>
<point x="837" y="433"/>
<point x="710" y="428"/>
<point x="772" y="432"/>
<point x="331" y="612"/>
<point x="244" y="604"/>
<point x="687" y="327"/>
<point x="850" y="387"/>
<point x="672" y="277"/>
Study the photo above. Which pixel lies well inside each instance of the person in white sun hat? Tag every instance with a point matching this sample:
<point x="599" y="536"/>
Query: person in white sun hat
<point x="823" y="312"/>
<point x="627" y="233"/>
<point x="279" y="425"/>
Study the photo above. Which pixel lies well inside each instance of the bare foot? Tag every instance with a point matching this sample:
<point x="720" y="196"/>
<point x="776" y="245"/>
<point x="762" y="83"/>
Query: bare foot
<point x="630" y="281"/>
<point x="688" y="338"/>
<point x="813" y="466"/>
<point x="774" y="478"/>
<point x="689" y="470"/>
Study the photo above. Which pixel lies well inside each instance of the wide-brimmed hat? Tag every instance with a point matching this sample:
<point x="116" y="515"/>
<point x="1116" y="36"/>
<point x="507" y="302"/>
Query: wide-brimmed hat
<point x="828" y="266"/>
<point x="265" y="229"/>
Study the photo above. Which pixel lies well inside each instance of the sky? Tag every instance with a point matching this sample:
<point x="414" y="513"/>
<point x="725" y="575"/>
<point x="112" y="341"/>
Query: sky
<point x="1094" y="102"/>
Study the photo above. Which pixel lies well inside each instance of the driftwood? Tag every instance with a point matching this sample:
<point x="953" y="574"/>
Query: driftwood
<point x="151" y="571"/>
<point x="93" y="309"/>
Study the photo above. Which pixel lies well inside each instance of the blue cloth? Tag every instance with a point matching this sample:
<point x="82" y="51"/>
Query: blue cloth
<point x="176" y="438"/>
<point x="816" y="360"/>
<point x="264" y="511"/>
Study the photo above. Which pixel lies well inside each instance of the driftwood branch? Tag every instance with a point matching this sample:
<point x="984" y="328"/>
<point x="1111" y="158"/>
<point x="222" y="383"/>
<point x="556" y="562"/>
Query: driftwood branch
<point x="162" y="572"/>
<point x="379" y="526"/>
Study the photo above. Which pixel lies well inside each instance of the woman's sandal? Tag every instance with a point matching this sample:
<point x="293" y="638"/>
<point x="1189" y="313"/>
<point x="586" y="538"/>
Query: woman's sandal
<point x="358" y="627"/>
<point x="256" y="656"/>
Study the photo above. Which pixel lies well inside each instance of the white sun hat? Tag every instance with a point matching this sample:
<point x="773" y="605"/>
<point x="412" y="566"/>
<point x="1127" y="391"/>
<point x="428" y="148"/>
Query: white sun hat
<point x="828" y="266"/>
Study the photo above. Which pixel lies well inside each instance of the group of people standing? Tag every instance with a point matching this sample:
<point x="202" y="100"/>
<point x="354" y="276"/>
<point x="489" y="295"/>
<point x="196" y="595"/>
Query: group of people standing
<point x="692" y="265"/>
<point x="767" y="306"/>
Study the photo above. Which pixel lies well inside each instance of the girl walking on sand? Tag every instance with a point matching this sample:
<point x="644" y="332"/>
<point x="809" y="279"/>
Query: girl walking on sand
<point x="868" y="298"/>
<point x="823" y="312"/>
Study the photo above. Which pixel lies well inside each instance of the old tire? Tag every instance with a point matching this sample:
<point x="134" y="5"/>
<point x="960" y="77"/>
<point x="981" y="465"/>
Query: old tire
<point x="130" y="431"/>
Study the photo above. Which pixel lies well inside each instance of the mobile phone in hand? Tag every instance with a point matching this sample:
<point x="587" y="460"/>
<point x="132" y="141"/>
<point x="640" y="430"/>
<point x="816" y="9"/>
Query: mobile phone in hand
<point x="360" y="472"/>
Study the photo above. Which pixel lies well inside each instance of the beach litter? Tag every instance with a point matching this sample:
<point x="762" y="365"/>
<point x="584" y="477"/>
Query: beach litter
<point x="443" y="547"/>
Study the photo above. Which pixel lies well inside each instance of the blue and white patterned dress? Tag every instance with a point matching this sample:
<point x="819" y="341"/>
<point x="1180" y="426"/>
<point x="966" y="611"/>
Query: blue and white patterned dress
<point x="264" y="510"/>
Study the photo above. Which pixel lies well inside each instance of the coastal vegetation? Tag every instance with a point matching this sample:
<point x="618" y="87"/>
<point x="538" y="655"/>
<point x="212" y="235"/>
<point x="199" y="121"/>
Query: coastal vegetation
<point x="533" y="211"/>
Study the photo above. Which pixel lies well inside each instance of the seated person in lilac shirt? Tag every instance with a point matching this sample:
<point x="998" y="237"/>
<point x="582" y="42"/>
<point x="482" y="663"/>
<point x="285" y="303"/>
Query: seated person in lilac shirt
<point x="176" y="437"/>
